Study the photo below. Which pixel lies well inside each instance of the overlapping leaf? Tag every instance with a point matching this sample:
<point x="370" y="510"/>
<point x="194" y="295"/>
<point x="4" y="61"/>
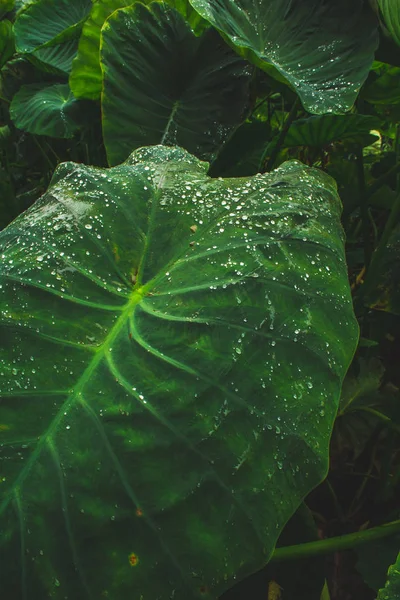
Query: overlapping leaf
<point x="172" y="353"/>
<point x="162" y="84"/>
<point x="324" y="129"/>
<point x="45" y="21"/>
<point x="86" y="77"/>
<point x="323" y="48"/>
<point x="46" y="110"/>
<point x="49" y="30"/>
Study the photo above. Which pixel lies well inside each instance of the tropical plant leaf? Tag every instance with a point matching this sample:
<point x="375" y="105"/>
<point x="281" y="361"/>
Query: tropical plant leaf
<point x="86" y="77"/>
<point x="322" y="130"/>
<point x="45" y="21"/>
<point x="172" y="352"/>
<point x="382" y="291"/>
<point x="390" y="13"/>
<point x="55" y="58"/>
<point x="7" y="46"/>
<point x="193" y="94"/>
<point x="391" y="591"/>
<point x="324" y="49"/>
<point x="46" y="110"/>
<point x="383" y="86"/>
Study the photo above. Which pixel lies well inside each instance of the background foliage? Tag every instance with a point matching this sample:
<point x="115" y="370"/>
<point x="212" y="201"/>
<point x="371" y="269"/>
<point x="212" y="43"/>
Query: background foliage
<point x="92" y="81"/>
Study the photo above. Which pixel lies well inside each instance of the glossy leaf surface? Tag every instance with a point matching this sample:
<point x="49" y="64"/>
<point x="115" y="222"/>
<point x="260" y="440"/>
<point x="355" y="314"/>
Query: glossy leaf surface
<point x="43" y="21"/>
<point x="85" y="79"/>
<point x="164" y="85"/>
<point x="323" y="48"/>
<point x="172" y="353"/>
<point x="390" y="13"/>
<point x="46" y="110"/>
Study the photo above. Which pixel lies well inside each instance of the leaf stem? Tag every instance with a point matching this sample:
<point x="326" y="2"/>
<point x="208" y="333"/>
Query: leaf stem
<point x="375" y="264"/>
<point x="335" y="544"/>
<point x="268" y="163"/>
<point x="381" y="416"/>
<point x="365" y="222"/>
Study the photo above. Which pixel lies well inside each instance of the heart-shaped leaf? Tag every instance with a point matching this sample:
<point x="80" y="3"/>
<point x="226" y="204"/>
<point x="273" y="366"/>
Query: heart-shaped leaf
<point x="323" y="48"/>
<point x="164" y="85"/>
<point x="46" y="110"/>
<point x="324" y="129"/>
<point x="173" y="348"/>
<point x="44" y="21"/>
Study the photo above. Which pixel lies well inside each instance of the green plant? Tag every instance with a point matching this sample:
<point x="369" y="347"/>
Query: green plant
<point x="175" y="333"/>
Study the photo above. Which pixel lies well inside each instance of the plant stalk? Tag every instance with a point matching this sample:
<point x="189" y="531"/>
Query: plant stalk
<point x="336" y="544"/>
<point x="269" y="163"/>
<point x="365" y="223"/>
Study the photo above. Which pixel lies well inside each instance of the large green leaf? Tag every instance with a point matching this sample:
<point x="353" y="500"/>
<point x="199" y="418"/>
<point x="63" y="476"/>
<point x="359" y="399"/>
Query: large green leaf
<point x="164" y="85"/>
<point x="46" y="109"/>
<point x="390" y="13"/>
<point x="172" y="352"/>
<point x="323" y="48"/>
<point x="391" y="591"/>
<point x="86" y="76"/>
<point x="44" y="21"/>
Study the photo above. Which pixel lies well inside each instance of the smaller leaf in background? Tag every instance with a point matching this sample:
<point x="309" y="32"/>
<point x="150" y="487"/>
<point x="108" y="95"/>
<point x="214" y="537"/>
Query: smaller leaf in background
<point x="43" y="21"/>
<point x="164" y="85"/>
<point x="7" y="47"/>
<point x="382" y="86"/>
<point x="382" y="286"/>
<point x="321" y="130"/>
<point x="390" y="15"/>
<point x="354" y="426"/>
<point x="374" y="558"/>
<point x="362" y="389"/>
<point x="46" y="110"/>
<point x="5" y="7"/>
<point x="49" y="30"/>
<point x="391" y="591"/>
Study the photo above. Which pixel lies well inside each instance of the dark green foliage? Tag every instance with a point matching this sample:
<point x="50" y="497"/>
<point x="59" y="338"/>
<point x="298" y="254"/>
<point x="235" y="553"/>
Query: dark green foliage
<point x="203" y="286"/>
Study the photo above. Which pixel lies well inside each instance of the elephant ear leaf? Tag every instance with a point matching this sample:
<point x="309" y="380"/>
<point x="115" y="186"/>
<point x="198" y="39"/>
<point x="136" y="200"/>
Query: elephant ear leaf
<point x="172" y="353"/>
<point x="391" y="591"/>
<point x="49" y="21"/>
<point x="324" y="49"/>
<point x="48" y="32"/>
<point x="164" y="85"/>
<point x="46" y="110"/>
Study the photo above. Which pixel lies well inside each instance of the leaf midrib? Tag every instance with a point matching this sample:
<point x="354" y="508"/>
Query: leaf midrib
<point x="99" y="354"/>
